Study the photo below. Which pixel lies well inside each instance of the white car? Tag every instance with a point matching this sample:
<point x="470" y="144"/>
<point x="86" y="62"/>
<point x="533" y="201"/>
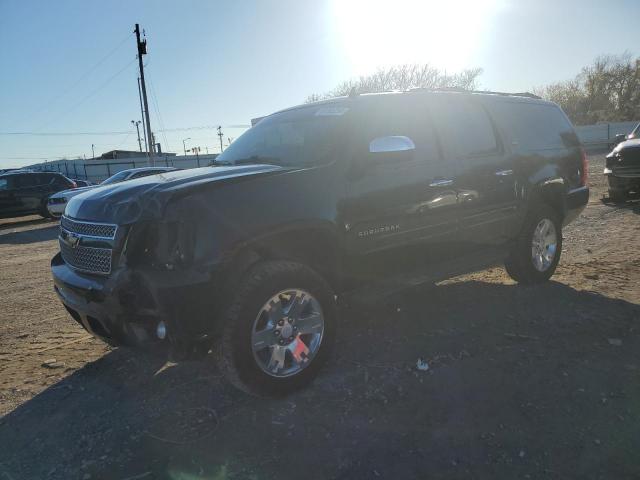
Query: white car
<point x="58" y="201"/>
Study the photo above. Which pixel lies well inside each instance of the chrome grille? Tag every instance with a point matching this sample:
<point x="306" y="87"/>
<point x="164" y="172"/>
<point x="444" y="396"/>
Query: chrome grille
<point x="88" y="259"/>
<point x="87" y="246"/>
<point x="100" y="230"/>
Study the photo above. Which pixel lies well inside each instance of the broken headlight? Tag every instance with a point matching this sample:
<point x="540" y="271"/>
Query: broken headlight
<point x="162" y="245"/>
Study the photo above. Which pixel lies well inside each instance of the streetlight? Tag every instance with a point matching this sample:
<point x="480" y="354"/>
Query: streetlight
<point x="184" y="146"/>
<point x="138" y="130"/>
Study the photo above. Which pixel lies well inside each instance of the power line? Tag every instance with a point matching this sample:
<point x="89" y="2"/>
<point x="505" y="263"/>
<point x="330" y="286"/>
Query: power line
<point x="81" y="77"/>
<point x="177" y="129"/>
<point x="90" y="95"/>
<point x="158" y="115"/>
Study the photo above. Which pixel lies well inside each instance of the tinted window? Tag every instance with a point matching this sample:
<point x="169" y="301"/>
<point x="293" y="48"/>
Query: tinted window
<point x="26" y="180"/>
<point x="146" y="173"/>
<point x="534" y="126"/>
<point x="118" y="177"/>
<point x="399" y="117"/>
<point x="466" y="127"/>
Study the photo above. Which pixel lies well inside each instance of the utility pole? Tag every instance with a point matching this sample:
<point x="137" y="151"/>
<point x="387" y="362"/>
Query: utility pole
<point x="144" y="128"/>
<point x="220" y="134"/>
<point x="142" y="50"/>
<point x="93" y="153"/>
<point x="138" y="130"/>
<point x="184" y="145"/>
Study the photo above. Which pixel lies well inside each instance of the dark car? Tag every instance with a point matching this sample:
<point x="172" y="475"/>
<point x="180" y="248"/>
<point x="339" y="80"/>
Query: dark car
<point x="622" y="169"/>
<point x="247" y="258"/>
<point x="25" y="193"/>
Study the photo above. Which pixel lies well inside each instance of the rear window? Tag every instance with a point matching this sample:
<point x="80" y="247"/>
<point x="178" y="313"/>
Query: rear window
<point x="535" y="126"/>
<point x="26" y="180"/>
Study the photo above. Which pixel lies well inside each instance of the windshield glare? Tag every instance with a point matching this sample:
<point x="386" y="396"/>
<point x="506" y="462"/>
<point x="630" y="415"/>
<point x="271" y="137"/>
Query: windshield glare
<point x="118" y="177"/>
<point x="305" y="136"/>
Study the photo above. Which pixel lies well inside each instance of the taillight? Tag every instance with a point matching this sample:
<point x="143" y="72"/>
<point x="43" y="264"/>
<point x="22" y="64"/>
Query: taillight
<point x="584" y="170"/>
<point x="74" y="184"/>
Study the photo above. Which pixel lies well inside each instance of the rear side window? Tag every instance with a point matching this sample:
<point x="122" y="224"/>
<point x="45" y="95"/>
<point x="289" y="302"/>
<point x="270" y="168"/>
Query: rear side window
<point x="466" y="127"/>
<point x="4" y="184"/>
<point x="535" y="126"/>
<point x="26" y="181"/>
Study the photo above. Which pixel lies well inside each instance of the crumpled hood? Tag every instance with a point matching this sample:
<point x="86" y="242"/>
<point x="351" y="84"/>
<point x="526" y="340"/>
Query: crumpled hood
<point x="145" y="198"/>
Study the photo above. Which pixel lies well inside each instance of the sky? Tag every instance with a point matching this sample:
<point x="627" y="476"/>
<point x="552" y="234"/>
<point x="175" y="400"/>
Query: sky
<point x="68" y="67"/>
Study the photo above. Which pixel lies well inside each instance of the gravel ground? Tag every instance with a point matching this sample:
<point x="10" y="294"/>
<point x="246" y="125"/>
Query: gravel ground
<point x="524" y="382"/>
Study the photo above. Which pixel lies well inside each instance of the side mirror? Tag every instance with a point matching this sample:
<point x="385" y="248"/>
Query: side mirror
<point x="620" y="137"/>
<point x="391" y="144"/>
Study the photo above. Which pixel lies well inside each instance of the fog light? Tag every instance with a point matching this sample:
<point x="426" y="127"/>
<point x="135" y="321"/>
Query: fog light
<point x="161" y="331"/>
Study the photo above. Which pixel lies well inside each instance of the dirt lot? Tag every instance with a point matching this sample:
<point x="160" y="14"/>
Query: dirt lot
<point x="524" y="382"/>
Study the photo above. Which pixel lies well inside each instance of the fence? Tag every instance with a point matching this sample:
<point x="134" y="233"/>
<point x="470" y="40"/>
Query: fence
<point x="603" y="134"/>
<point x="98" y="170"/>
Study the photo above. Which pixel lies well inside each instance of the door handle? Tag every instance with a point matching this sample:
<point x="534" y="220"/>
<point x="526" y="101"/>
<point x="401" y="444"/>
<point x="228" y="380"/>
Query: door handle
<point x="504" y="173"/>
<point x="443" y="182"/>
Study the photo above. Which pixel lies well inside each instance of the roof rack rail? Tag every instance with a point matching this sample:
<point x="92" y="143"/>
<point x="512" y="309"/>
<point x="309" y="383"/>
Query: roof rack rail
<point x="462" y="90"/>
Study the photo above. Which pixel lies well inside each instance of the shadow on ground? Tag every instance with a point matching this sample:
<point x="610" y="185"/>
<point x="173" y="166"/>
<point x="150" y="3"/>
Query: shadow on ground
<point x="522" y="382"/>
<point x="24" y="237"/>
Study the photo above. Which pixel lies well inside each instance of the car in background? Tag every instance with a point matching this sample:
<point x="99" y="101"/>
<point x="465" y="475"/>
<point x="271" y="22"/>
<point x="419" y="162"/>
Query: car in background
<point x="622" y="168"/>
<point x="621" y="137"/>
<point x="83" y="183"/>
<point x="57" y="202"/>
<point x="26" y="193"/>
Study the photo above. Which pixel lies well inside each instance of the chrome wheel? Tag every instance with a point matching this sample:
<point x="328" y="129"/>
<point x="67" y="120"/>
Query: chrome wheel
<point x="287" y="333"/>
<point x="544" y="245"/>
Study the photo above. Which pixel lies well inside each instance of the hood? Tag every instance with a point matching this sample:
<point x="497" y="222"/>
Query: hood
<point x="72" y="192"/>
<point x="145" y="198"/>
<point x="632" y="144"/>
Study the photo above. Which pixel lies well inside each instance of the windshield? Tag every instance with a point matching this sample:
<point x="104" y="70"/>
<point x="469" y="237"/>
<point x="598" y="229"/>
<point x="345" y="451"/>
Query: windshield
<point x="299" y="137"/>
<point x="118" y="177"/>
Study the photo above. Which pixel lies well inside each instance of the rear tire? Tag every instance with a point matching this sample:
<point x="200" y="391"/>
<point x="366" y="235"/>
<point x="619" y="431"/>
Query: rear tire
<point x="257" y="369"/>
<point x="537" y="250"/>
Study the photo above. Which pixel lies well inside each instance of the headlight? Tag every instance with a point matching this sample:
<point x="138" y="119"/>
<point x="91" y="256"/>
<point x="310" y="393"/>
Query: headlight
<point x="162" y="245"/>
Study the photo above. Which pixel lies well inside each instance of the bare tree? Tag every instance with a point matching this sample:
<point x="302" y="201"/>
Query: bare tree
<point x="606" y="90"/>
<point x="404" y="77"/>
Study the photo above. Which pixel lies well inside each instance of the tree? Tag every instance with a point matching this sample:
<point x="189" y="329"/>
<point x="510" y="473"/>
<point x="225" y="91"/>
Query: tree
<point x="606" y="90"/>
<point x="403" y="77"/>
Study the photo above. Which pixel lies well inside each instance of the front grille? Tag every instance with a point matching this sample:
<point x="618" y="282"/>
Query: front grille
<point x="100" y="230"/>
<point x="87" y="246"/>
<point x="623" y="171"/>
<point x="88" y="259"/>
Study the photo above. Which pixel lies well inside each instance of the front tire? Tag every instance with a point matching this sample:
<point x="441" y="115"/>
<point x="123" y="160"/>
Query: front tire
<point x="278" y="330"/>
<point x="536" y="253"/>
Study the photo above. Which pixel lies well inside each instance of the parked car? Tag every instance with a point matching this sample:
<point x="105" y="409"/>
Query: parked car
<point x="248" y="257"/>
<point x="621" y="137"/>
<point x="26" y="192"/>
<point x="622" y="169"/>
<point x="83" y="183"/>
<point x="57" y="202"/>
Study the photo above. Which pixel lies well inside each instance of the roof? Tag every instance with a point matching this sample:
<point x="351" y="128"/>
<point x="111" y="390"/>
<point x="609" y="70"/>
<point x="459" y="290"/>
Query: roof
<point x="523" y="96"/>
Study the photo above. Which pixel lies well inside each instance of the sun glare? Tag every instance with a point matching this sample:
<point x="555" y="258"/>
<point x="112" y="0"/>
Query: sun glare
<point x="377" y="33"/>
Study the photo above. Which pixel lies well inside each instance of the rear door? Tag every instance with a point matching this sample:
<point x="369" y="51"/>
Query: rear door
<point x="8" y="201"/>
<point x="485" y="179"/>
<point x="400" y="207"/>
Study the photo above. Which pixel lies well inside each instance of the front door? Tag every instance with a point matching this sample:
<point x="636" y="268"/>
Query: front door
<point x="400" y="206"/>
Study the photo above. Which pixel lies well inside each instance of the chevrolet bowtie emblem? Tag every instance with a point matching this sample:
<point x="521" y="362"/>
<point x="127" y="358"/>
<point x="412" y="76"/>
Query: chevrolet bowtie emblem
<point x="73" y="240"/>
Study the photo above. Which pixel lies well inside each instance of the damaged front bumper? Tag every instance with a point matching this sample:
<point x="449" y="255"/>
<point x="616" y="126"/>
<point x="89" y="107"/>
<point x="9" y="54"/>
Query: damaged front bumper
<point x="128" y="306"/>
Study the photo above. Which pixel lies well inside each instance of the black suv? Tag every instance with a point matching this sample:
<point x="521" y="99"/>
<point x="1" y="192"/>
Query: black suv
<point x="25" y="193"/>
<point x="248" y="258"/>
<point x="622" y="167"/>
